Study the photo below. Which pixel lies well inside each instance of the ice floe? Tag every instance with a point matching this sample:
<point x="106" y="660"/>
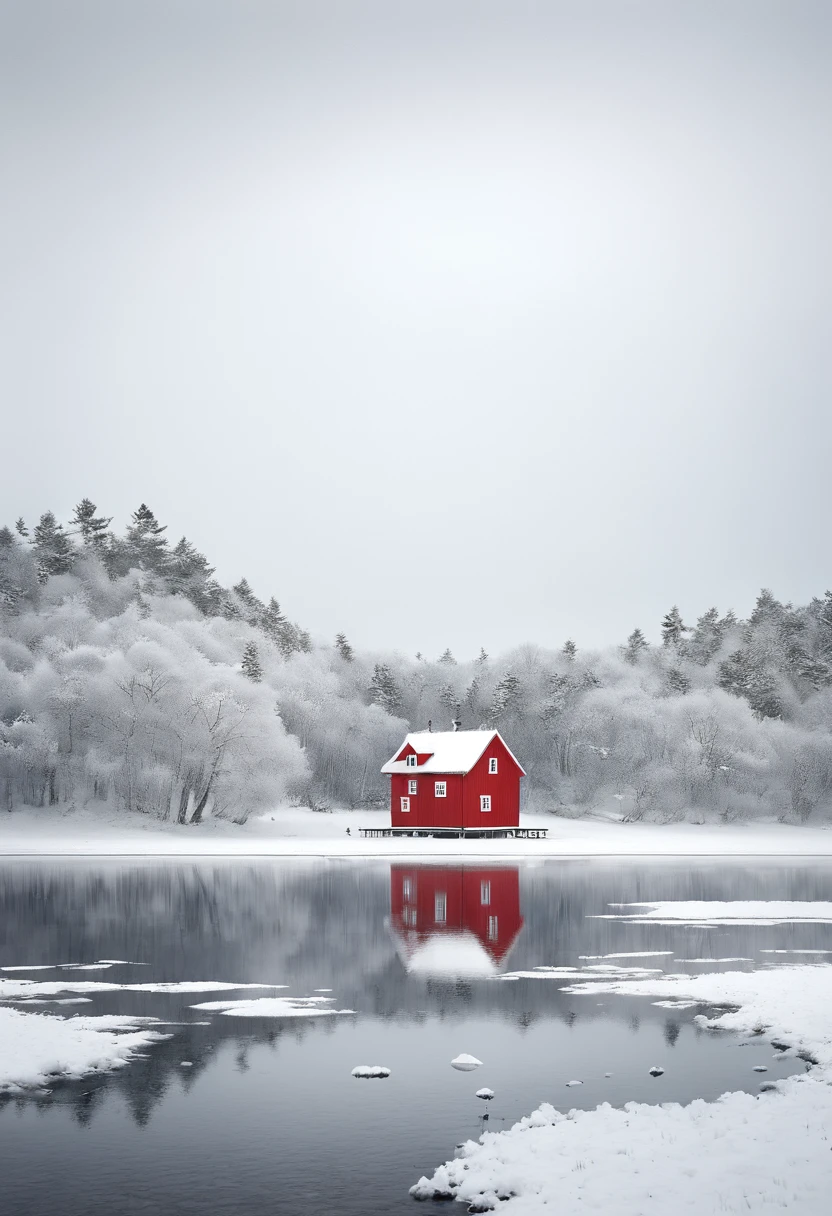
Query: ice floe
<point x="720" y="912"/>
<point x="36" y="1049"/>
<point x="10" y="989"/>
<point x="274" y="1007"/>
<point x="588" y="958"/>
<point x="484" y="1093"/>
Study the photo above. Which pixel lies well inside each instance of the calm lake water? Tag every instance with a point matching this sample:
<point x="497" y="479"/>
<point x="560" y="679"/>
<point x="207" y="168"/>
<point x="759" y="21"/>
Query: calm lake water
<point x="269" y="1119"/>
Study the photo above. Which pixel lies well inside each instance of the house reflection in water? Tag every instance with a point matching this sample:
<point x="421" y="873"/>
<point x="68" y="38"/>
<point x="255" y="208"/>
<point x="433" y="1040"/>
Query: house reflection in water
<point x="454" y="920"/>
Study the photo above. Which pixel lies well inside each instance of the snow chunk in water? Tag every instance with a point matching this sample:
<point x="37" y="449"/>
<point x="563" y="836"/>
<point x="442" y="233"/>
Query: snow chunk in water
<point x="370" y="1071"/>
<point x="655" y="1071"/>
<point x="465" y="1063"/>
<point x="569" y="1084"/>
<point x="485" y="1093"/>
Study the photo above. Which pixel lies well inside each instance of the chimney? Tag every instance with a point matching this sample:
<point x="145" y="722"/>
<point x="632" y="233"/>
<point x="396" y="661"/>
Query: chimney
<point x="430" y="725"/>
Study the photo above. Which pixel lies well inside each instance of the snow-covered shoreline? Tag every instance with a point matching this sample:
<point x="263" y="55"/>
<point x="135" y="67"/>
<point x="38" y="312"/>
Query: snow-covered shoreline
<point x="293" y="832"/>
<point x="741" y="1154"/>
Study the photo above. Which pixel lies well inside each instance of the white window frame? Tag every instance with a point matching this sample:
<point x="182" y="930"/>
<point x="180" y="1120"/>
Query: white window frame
<point x="485" y="893"/>
<point x="440" y="908"/>
<point x="412" y="760"/>
<point x="485" y="804"/>
<point x="492" y="766"/>
<point x="410" y="917"/>
<point x="412" y="787"/>
<point x="440" y="789"/>
<point x="407" y="889"/>
<point x="405" y="806"/>
<point x="493" y="928"/>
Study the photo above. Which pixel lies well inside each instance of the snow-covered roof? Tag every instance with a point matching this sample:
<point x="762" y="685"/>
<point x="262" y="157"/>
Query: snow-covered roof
<point x="448" y="751"/>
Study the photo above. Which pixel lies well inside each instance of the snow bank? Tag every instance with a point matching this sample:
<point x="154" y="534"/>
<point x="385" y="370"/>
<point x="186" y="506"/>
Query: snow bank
<point x="36" y="1049"/>
<point x="759" y="1154"/>
<point x="297" y="832"/>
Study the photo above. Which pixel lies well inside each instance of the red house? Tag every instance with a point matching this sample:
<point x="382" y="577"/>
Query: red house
<point x="464" y="781"/>
<point x="454" y="921"/>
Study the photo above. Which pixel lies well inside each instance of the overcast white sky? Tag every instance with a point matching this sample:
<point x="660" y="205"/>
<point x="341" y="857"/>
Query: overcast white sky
<point x="448" y="323"/>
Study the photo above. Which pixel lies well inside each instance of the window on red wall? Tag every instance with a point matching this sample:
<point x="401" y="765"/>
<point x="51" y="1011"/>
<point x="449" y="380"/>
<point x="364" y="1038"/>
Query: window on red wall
<point x="493" y="931"/>
<point x="485" y="893"/>
<point x="412" y="787"/>
<point x="440" y="907"/>
<point x="485" y="802"/>
<point x="411" y="761"/>
<point x="405" y="806"/>
<point x="441" y="789"/>
<point x="492" y="764"/>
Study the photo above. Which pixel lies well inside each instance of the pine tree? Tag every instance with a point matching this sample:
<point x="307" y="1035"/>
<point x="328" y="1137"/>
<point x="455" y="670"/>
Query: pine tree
<point x="274" y="622"/>
<point x="447" y="697"/>
<point x="7" y="540"/>
<point x="506" y="696"/>
<point x="251" y="664"/>
<point x="343" y="647"/>
<point x="677" y="681"/>
<point x="472" y="696"/>
<point x="146" y="546"/>
<point x="735" y="674"/>
<point x="21" y="528"/>
<point x="53" y="548"/>
<point x="383" y="690"/>
<point x="93" y="528"/>
<point x="189" y="574"/>
<point x="673" y="628"/>
<point x="447" y="658"/>
<point x="636" y="645"/>
<point x="482" y="657"/>
<point x="569" y="649"/>
<point x="707" y="636"/>
<point x="766" y="608"/>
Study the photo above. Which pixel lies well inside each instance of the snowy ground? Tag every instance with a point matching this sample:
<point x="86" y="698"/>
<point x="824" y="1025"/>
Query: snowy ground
<point x="293" y="832"/>
<point x="744" y="1153"/>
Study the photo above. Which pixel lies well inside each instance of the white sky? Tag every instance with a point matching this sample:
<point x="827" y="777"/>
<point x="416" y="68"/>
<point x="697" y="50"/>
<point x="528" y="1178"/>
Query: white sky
<point x="448" y="323"/>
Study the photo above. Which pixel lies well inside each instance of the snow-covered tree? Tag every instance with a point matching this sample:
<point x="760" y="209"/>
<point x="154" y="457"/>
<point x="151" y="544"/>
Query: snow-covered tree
<point x="384" y="691"/>
<point x="636" y="645"/>
<point x="92" y="527"/>
<point x="251" y="664"/>
<point x="569" y="649"/>
<point x="343" y="647"/>
<point x="53" y="549"/>
<point x="673" y="628"/>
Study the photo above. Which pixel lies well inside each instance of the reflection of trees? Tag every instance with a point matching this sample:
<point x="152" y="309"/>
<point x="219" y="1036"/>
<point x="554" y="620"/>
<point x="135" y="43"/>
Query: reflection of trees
<point x="314" y="926"/>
